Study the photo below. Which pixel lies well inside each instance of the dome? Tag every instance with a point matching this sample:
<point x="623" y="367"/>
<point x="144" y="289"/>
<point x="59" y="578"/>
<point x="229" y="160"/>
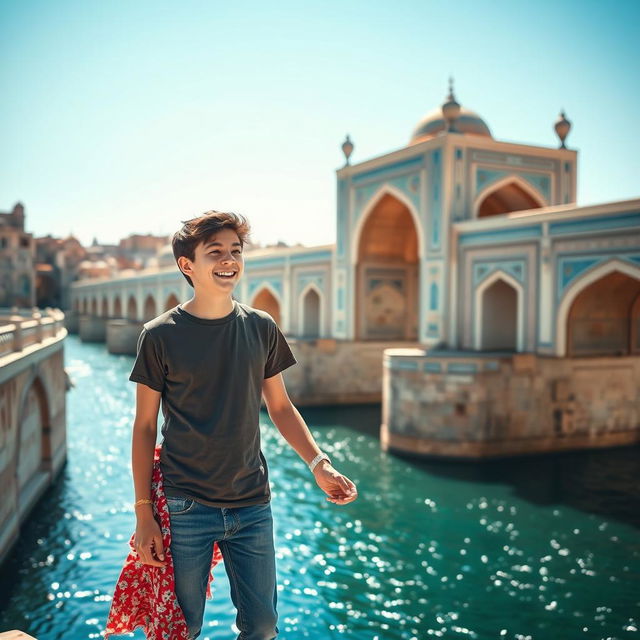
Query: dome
<point x="434" y="123"/>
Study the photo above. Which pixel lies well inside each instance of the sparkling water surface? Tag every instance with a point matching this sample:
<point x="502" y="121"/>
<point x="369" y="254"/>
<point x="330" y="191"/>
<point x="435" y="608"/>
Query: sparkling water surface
<point x="535" y="547"/>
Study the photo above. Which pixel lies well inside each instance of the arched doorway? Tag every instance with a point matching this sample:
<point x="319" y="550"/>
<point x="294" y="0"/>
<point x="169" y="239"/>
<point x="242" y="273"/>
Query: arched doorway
<point x="510" y="196"/>
<point x="266" y="301"/>
<point x="105" y="307"/>
<point x="94" y="307"/>
<point x="132" y="309"/>
<point x="149" y="308"/>
<point x="386" y="274"/>
<point x="310" y="308"/>
<point x="604" y="318"/>
<point x="117" y="308"/>
<point x="31" y="428"/>
<point x="172" y="301"/>
<point x="499" y="317"/>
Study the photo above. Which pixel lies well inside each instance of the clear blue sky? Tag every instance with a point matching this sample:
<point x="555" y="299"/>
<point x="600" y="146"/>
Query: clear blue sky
<point x="128" y="116"/>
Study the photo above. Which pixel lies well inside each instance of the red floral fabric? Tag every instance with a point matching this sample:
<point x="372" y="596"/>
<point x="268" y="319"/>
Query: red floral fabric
<point x="144" y="595"/>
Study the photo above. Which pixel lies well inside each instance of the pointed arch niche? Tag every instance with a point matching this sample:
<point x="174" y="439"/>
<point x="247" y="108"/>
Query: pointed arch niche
<point x="266" y="300"/>
<point x="310" y="312"/>
<point x="386" y="269"/>
<point x="603" y="318"/>
<point x="132" y="309"/>
<point x="498" y="321"/>
<point x="600" y="312"/>
<point x="507" y="195"/>
<point x="33" y="433"/>
<point x="172" y="301"/>
<point x="149" y="309"/>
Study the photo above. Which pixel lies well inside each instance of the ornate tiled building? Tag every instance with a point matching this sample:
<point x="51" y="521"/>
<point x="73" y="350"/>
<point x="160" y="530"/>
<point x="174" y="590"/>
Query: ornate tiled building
<point x="468" y="252"/>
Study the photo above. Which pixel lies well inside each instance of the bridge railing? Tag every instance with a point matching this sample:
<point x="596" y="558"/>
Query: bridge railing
<point x="20" y="328"/>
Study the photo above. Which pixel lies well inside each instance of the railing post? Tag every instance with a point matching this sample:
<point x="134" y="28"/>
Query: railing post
<point x="17" y="334"/>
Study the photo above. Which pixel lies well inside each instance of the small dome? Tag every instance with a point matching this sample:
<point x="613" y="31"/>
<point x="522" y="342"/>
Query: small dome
<point x="434" y="123"/>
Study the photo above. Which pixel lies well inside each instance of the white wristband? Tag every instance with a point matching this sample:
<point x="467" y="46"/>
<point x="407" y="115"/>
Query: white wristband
<point x="316" y="460"/>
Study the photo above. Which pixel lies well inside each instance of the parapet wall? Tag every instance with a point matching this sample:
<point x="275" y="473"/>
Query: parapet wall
<point x="33" y="387"/>
<point x="475" y="405"/>
<point x="336" y="372"/>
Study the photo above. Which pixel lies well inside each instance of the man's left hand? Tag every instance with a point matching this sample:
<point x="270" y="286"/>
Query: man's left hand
<point x="339" y="489"/>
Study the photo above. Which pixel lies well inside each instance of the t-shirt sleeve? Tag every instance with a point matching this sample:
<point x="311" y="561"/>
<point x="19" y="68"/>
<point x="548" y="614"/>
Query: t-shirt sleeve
<point x="148" y="368"/>
<point x="280" y="356"/>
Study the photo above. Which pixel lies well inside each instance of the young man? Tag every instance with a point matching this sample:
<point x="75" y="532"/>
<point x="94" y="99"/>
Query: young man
<point x="209" y="360"/>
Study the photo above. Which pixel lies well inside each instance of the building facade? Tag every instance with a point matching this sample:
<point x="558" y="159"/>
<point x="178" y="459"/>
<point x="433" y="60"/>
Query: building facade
<point x="17" y="257"/>
<point x="468" y="262"/>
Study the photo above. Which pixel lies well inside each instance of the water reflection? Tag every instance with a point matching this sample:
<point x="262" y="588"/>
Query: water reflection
<point x="605" y="482"/>
<point x="510" y="549"/>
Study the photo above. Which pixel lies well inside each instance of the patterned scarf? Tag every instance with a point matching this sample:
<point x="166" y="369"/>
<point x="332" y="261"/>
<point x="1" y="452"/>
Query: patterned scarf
<point x="144" y="595"/>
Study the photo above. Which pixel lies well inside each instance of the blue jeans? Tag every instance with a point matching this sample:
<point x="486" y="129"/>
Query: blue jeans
<point x="245" y="538"/>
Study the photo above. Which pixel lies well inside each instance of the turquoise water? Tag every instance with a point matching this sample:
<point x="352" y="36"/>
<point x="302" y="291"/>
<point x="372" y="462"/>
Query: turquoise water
<point x="532" y="548"/>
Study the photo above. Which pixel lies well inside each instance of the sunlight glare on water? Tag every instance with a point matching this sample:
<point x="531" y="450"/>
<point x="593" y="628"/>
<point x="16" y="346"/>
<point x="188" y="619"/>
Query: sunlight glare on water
<point x="533" y="548"/>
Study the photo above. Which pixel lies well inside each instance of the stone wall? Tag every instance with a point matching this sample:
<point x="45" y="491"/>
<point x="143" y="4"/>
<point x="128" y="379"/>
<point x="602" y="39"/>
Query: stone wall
<point x="333" y="371"/>
<point x="33" y="447"/>
<point x="475" y="405"/>
<point x="122" y="336"/>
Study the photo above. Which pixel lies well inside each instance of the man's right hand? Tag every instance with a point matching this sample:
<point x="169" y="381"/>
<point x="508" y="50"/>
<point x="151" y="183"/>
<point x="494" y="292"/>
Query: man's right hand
<point x="148" y="541"/>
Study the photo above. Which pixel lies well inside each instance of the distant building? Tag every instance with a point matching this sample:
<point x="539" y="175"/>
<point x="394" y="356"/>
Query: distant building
<point x="142" y="250"/>
<point x="61" y="261"/>
<point x="57" y="265"/>
<point x="17" y="254"/>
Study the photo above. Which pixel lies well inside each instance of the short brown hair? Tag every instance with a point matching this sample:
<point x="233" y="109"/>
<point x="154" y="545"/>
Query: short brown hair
<point x="203" y="227"/>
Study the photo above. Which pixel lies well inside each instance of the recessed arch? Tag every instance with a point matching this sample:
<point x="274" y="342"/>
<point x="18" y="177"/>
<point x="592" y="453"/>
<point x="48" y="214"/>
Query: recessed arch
<point x="573" y="290"/>
<point x="149" y="308"/>
<point x="117" y="307"/>
<point x="104" y="312"/>
<point x="132" y="309"/>
<point x="172" y="301"/>
<point x="32" y="439"/>
<point x="311" y="311"/>
<point x="601" y="317"/>
<point x="498" y="314"/>
<point x="372" y="204"/>
<point x="386" y="254"/>
<point x="94" y="306"/>
<point x="267" y="299"/>
<point x="506" y="195"/>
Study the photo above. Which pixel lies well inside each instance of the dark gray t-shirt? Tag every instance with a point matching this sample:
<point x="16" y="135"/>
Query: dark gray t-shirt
<point x="210" y="373"/>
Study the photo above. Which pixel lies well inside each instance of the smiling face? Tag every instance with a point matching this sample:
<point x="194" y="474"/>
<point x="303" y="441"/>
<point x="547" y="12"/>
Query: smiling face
<point x="220" y="254"/>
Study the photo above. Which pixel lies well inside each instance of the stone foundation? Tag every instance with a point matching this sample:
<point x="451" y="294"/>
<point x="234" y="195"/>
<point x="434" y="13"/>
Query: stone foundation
<point x="122" y="336"/>
<point x="475" y="405"/>
<point x="333" y="371"/>
<point x="72" y="321"/>
<point x="92" y="328"/>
